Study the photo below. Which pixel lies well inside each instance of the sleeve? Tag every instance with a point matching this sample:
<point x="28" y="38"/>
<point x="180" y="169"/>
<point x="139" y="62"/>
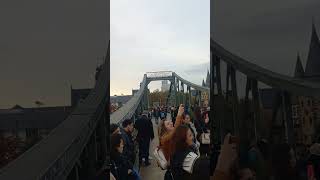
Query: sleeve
<point x="178" y="122"/>
<point x="189" y="162"/>
<point x="197" y="165"/>
<point x="151" y="129"/>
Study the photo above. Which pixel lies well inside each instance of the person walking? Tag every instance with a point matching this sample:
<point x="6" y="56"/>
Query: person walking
<point x="144" y="137"/>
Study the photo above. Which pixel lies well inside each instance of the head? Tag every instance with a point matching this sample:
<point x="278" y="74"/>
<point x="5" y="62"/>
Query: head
<point x="182" y="138"/>
<point x="116" y="144"/>
<point x="114" y="129"/>
<point x="128" y="125"/>
<point x="187" y="119"/>
<point x="205" y="116"/>
<point x="165" y="126"/>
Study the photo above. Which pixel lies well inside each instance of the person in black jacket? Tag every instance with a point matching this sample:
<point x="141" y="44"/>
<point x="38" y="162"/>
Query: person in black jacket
<point x="185" y="163"/>
<point x="120" y="167"/>
<point x="126" y="132"/>
<point x="145" y="135"/>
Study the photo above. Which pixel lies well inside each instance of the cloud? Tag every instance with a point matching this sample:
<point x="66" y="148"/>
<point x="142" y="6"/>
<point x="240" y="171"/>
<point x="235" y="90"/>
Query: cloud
<point x="155" y="36"/>
<point x="198" y="69"/>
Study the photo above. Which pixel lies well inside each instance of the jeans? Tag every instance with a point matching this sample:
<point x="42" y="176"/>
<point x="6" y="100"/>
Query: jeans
<point x="144" y="145"/>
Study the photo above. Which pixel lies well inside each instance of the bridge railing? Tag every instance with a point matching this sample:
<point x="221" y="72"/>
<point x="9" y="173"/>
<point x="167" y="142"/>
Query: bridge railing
<point x="159" y="74"/>
<point x="129" y="108"/>
<point x="54" y="156"/>
<point x="247" y="120"/>
<point x="188" y="83"/>
<point x="280" y="81"/>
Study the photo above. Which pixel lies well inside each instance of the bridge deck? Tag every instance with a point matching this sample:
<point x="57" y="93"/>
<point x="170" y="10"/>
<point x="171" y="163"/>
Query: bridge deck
<point x="153" y="172"/>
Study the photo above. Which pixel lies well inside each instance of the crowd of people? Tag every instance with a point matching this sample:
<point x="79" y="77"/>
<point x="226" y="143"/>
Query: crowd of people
<point x="267" y="162"/>
<point x="185" y="143"/>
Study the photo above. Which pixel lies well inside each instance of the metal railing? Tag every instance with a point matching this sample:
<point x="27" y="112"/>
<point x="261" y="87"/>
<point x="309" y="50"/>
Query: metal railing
<point x="53" y="157"/>
<point x="276" y="80"/>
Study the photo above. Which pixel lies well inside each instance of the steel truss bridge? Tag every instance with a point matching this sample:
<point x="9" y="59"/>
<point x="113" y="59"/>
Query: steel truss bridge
<point x="72" y="149"/>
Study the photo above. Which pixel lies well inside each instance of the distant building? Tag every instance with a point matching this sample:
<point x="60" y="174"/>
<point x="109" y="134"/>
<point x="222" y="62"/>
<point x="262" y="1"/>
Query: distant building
<point x="134" y="91"/>
<point x="205" y="95"/>
<point x="37" y="121"/>
<point x="30" y="122"/>
<point x="305" y="109"/>
<point x="78" y="95"/>
<point x="165" y="86"/>
<point x="120" y="100"/>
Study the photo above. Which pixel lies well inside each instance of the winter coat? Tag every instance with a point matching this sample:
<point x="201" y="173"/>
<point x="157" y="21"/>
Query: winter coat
<point x="188" y="165"/>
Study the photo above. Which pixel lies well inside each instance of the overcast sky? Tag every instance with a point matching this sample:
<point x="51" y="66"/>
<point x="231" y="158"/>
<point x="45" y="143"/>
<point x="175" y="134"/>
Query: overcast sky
<point x="47" y="46"/>
<point x="148" y="35"/>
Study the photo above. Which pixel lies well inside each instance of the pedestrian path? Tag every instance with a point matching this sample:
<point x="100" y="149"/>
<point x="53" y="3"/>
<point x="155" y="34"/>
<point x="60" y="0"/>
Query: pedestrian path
<point x="152" y="172"/>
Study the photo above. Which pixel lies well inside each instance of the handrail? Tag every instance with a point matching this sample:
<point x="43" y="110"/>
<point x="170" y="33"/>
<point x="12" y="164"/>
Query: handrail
<point x="276" y="80"/>
<point x="128" y="109"/>
<point x="54" y="156"/>
<point x="195" y="86"/>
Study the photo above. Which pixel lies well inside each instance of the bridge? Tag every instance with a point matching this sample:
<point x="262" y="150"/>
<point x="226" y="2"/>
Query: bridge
<point x="73" y="149"/>
<point x="139" y="101"/>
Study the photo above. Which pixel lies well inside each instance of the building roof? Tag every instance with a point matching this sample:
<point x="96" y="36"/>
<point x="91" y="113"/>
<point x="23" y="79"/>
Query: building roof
<point x="78" y="94"/>
<point x="313" y="62"/>
<point x="120" y="99"/>
<point x="299" y="72"/>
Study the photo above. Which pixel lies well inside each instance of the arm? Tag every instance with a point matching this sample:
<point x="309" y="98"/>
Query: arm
<point x="226" y="160"/>
<point x="179" y="117"/>
<point x="178" y="122"/>
<point x="151" y="129"/>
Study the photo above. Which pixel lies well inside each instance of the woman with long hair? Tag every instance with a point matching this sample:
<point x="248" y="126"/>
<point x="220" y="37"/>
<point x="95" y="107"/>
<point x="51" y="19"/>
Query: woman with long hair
<point x="187" y="121"/>
<point x="120" y="166"/>
<point x="166" y="132"/>
<point x="184" y="162"/>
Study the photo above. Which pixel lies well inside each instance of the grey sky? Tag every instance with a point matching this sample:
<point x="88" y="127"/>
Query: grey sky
<point x="47" y="46"/>
<point x="158" y="35"/>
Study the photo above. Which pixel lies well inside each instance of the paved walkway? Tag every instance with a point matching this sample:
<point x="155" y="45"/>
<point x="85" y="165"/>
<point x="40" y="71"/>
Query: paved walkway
<point x="153" y="172"/>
